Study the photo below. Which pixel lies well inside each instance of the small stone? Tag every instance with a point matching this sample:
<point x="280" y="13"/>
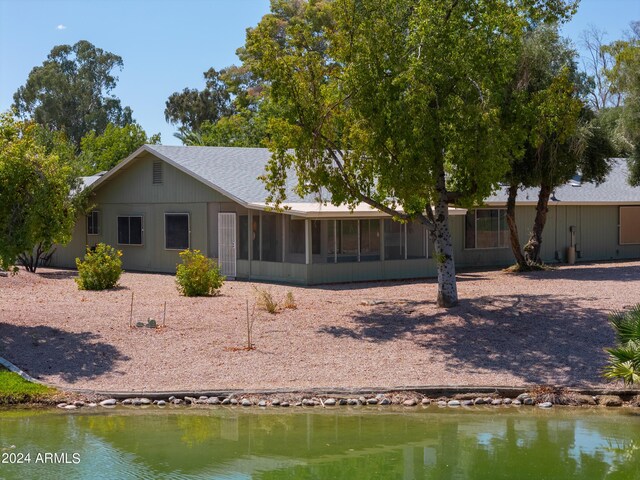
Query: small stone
<point x="528" y="401"/>
<point x="79" y="403"/>
<point x="284" y="404"/>
<point x="172" y="398"/>
<point x="410" y="403"/>
<point x="276" y="402"/>
<point x="342" y="401"/>
<point x="545" y="405"/>
<point x="61" y="405"/>
<point x="226" y="401"/>
<point x="453" y="403"/>
<point x="144" y="401"/>
<point x="246" y="402"/>
<point x="507" y="401"/>
<point x="161" y="403"/>
<point x="297" y="404"/>
<point x="203" y="397"/>
<point x="442" y="403"/>
<point x="92" y="405"/>
<point x="380" y="396"/>
<point x="516" y="402"/>
<point x="385" y="401"/>
<point x="190" y="400"/>
<point x="234" y="401"/>
<point x="426" y="401"/>
<point x="352" y="401"/>
<point x="109" y="402"/>
<point x="330" y="402"/>
<point x="488" y="400"/>
<point x="496" y="401"/>
<point x="70" y="407"/>
<point x="522" y="396"/>
<point x="467" y="403"/>
<point x="372" y="401"/>
<point x="262" y="403"/>
<point x="177" y="401"/>
<point x="362" y="400"/>
<point x="306" y="402"/>
<point x="127" y="401"/>
<point x="479" y="401"/>
<point x="213" y="401"/>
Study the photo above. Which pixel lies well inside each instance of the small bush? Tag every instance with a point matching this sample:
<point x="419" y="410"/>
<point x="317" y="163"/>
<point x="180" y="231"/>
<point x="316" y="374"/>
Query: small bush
<point x="100" y="269"/>
<point x="289" y="301"/>
<point x="624" y="359"/>
<point x="198" y="275"/>
<point x="265" y="300"/>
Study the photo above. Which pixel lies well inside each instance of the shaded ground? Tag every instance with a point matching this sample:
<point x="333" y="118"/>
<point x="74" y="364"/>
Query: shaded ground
<point x="509" y="330"/>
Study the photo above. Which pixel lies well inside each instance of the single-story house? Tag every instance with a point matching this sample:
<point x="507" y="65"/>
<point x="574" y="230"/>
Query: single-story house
<point x="164" y="199"/>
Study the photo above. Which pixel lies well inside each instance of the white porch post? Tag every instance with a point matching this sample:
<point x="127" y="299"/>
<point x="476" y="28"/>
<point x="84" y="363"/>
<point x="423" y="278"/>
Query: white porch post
<point x="307" y="240"/>
<point x="381" y="232"/>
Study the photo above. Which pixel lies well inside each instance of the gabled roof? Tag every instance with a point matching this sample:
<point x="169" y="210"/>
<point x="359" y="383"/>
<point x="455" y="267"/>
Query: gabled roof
<point x="614" y="190"/>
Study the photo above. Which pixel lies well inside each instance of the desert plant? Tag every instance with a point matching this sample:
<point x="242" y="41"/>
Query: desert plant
<point x="198" y="275"/>
<point x="100" y="269"/>
<point x="624" y="360"/>
<point x="266" y="301"/>
<point x="289" y="301"/>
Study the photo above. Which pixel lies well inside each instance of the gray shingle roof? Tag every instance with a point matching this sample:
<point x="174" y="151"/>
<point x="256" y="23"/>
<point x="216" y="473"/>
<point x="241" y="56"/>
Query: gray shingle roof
<point x="233" y="169"/>
<point x="615" y="189"/>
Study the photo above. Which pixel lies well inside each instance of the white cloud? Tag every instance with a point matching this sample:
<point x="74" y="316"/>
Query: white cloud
<point x="61" y="27"/>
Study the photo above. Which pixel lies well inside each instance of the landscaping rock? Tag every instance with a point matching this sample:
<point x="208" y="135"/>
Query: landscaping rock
<point x="496" y="401"/>
<point x="276" y="402"/>
<point x="234" y="401"/>
<point x="385" y="401"/>
<point x="109" y="402"/>
<point x="453" y="403"/>
<point x="177" y="401"/>
<point x="442" y="403"/>
<point x="425" y="401"/>
<point x="297" y="404"/>
<point x="213" y="401"/>
<point x="330" y="402"/>
<point x="584" y="399"/>
<point x="479" y="401"/>
<point x="92" y="405"/>
<point x="306" y="402"/>
<point x="522" y="396"/>
<point x="372" y="401"/>
<point x="70" y="407"/>
<point x="528" y="401"/>
<point x="410" y="403"/>
<point x="203" y="397"/>
<point x="352" y="401"/>
<point x="516" y="402"/>
<point x="78" y="403"/>
<point x="226" y="401"/>
<point x="127" y="401"/>
<point x="284" y="404"/>
<point x="190" y="400"/>
<point x="246" y="402"/>
<point x="545" y="405"/>
<point x="262" y="403"/>
<point x="172" y="398"/>
<point x="362" y="400"/>
<point x="61" y="405"/>
<point x="467" y="403"/>
<point x="609" y="400"/>
<point x="161" y="403"/>
<point x="342" y="401"/>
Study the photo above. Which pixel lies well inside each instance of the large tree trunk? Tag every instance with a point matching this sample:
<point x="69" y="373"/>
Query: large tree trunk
<point x="533" y="247"/>
<point x="513" y="227"/>
<point x="443" y="246"/>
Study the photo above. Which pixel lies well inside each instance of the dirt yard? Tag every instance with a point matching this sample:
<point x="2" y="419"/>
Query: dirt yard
<point x="509" y="330"/>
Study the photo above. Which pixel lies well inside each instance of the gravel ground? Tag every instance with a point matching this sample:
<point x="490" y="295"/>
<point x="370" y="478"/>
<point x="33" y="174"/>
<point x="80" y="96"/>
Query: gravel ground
<point x="509" y="330"/>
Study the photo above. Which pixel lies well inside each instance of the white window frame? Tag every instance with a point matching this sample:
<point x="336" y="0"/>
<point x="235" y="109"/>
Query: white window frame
<point x="96" y="223"/>
<point x="475" y="232"/>
<point x="188" y="231"/>
<point x="141" y="217"/>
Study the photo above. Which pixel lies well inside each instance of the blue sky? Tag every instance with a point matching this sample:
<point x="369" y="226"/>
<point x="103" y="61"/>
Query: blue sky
<point x="167" y="44"/>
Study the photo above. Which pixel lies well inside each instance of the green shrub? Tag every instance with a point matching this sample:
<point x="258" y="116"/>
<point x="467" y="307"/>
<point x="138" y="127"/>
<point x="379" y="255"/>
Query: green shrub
<point x="624" y="360"/>
<point x="100" y="269"/>
<point x="198" y="275"/>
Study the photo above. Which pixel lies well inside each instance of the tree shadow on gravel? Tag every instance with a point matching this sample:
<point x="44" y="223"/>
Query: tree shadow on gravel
<point x="538" y="338"/>
<point x="592" y="273"/>
<point x="42" y="350"/>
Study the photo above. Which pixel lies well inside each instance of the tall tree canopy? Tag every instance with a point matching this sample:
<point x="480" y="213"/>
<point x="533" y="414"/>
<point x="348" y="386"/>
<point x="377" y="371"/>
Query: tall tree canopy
<point x="625" y="75"/>
<point x="71" y="92"/>
<point x="36" y="208"/>
<point x="103" y="152"/>
<point x="553" y="131"/>
<point x="191" y="108"/>
<point x="395" y="103"/>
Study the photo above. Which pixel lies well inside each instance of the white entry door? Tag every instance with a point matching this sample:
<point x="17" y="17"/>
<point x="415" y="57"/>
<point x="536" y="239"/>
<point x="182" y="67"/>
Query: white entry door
<point x="227" y="243"/>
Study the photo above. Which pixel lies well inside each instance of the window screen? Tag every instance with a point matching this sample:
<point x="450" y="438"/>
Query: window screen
<point x="176" y="231"/>
<point x="243" y="244"/>
<point x="486" y="228"/>
<point x="130" y="230"/>
<point x="92" y="223"/>
<point x="630" y="225"/>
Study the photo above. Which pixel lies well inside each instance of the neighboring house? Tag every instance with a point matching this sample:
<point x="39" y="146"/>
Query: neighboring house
<point x="163" y="199"/>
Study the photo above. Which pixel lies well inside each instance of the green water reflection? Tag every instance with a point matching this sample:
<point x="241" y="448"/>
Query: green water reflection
<point x="326" y="444"/>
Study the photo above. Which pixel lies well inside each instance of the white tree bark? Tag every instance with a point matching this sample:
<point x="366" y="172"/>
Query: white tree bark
<point x="441" y="236"/>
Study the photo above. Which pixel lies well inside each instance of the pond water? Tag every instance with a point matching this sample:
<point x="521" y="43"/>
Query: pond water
<point x="233" y="443"/>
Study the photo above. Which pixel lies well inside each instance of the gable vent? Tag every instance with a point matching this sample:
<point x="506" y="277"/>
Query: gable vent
<point x="157" y="172"/>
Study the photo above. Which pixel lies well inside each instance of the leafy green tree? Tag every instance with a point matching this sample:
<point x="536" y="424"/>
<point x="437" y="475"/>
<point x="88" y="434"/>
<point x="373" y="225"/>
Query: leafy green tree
<point x="624" y="360"/>
<point x="36" y="208"/>
<point x="393" y="103"/>
<point x="105" y="151"/>
<point x="625" y="76"/>
<point x="71" y="92"/>
<point x="552" y="131"/>
<point x="191" y="108"/>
